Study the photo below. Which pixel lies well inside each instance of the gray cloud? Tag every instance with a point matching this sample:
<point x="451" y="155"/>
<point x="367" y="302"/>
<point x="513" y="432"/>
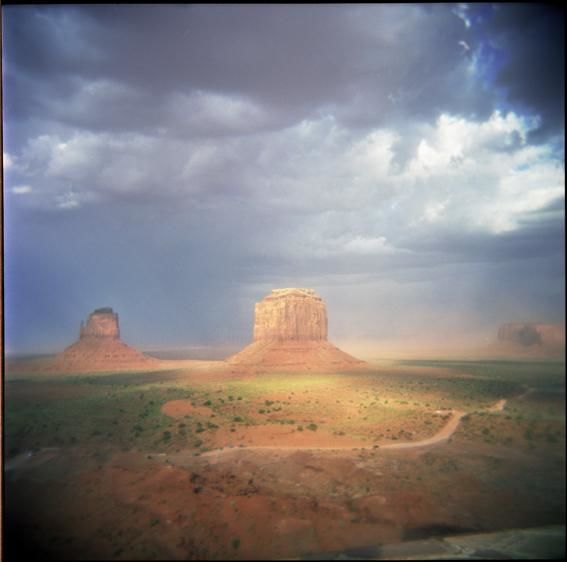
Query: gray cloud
<point x="177" y="162"/>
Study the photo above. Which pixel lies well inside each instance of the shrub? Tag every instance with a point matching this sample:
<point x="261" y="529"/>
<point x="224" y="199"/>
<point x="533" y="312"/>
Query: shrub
<point x="312" y="426"/>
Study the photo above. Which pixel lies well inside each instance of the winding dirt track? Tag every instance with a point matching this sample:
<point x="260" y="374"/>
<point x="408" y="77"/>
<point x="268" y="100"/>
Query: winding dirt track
<point x="441" y="436"/>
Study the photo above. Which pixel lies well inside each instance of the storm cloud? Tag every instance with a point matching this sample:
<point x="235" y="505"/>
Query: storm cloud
<point x="177" y="162"/>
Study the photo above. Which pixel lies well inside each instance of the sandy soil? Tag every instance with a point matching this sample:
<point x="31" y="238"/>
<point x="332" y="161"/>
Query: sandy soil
<point x="276" y="438"/>
<point x="181" y="408"/>
<point x="267" y="504"/>
<point x="285" y="494"/>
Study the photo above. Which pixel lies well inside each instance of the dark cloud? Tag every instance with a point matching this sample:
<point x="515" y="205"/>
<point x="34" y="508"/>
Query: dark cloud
<point x="368" y="62"/>
<point x="530" y="41"/>
<point x="177" y="162"/>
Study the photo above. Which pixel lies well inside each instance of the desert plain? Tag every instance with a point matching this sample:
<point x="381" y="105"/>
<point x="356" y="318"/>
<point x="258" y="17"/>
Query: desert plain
<point x="207" y="461"/>
<point x="288" y="449"/>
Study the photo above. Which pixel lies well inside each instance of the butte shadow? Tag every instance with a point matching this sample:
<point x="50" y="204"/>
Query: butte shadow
<point x="290" y="333"/>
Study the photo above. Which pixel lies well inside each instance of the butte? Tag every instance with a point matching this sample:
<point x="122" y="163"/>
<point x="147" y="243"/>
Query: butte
<point x="290" y="332"/>
<point x="530" y="339"/>
<point x="99" y="347"/>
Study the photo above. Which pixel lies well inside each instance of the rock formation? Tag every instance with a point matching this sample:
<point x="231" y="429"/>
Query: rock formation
<point x="290" y="331"/>
<point x="529" y="338"/>
<point x="100" y="348"/>
<point x="531" y="334"/>
<point x="102" y="323"/>
<point x="291" y="315"/>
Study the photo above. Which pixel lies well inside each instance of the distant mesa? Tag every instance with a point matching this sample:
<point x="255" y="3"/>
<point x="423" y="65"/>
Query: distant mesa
<point x="531" y="334"/>
<point x="530" y="338"/>
<point x="99" y="346"/>
<point x="290" y="331"/>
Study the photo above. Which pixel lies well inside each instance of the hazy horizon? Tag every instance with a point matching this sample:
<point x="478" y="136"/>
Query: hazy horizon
<point x="178" y="162"/>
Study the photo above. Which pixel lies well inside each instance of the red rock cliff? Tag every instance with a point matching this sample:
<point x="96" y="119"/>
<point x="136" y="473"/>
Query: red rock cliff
<point x="102" y="323"/>
<point x="100" y="348"/>
<point x="291" y="315"/>
<point x="290" y="333"/>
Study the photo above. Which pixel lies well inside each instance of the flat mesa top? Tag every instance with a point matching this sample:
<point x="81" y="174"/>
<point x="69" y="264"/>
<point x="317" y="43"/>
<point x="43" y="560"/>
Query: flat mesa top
<point x="104" y="310"/>
<point x="293" y="291"/>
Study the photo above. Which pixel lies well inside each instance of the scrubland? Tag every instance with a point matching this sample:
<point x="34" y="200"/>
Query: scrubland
<point x="215" y="463"/>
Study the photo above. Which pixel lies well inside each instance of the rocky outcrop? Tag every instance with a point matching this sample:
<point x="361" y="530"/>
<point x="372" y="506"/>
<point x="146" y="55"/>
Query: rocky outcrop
<point x="100" y="348"/>
<point x="290" y="332"/>
<point x="102" y="323"/>
<point x="531" y="334"/>
<point x="529" y="339"/>
<point x="291" y="315"/>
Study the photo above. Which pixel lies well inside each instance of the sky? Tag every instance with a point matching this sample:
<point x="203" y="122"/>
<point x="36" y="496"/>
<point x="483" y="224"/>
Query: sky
<point x="177" y="162"/>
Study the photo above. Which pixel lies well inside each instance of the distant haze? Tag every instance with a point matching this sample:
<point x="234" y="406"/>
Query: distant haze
<point x="178" y="162"/>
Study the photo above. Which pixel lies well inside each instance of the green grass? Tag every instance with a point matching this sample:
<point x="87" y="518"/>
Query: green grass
<point x="124" y="409"/>
<point x="538" y="373"/>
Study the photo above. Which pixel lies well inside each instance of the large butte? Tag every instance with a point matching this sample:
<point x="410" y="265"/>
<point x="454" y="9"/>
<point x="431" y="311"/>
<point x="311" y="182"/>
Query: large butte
<point x="99" y="346"/>
<point x="290" y="332"/>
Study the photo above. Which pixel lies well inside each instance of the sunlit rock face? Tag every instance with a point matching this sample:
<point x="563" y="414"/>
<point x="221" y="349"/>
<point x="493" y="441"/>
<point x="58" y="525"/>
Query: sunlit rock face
<point x="102" y="323"/>
<point x="290" y="333"/>
<point x="291" y="315"/>
<point x="99" y="347"/>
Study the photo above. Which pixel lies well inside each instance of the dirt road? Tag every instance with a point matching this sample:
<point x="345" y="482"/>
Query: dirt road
<point x="441" y="436"/>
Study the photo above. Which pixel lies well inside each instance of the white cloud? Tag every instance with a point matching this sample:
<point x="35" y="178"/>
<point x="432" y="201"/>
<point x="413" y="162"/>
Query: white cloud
<point x="362" y="245"/>
<point x="68" y="200"/>
<point x="460" y="11"/>
<point x="8" y="162"/>
<point x="481" y="175"/>
<point x="339" y="188"/>
<point x="210" y="113"/>
<point x="21" y="189"/>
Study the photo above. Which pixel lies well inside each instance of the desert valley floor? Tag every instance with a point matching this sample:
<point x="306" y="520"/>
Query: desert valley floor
<point x="205" y="460"/>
